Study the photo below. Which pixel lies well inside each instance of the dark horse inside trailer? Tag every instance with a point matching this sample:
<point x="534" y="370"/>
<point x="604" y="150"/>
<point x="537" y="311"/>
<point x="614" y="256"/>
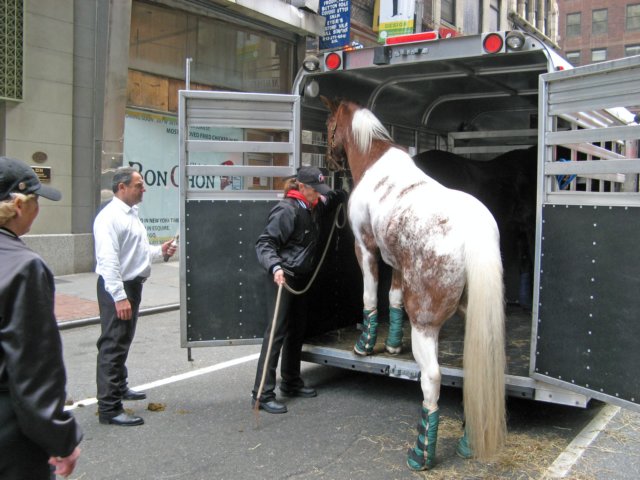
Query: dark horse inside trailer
<point x="506" y="185"/>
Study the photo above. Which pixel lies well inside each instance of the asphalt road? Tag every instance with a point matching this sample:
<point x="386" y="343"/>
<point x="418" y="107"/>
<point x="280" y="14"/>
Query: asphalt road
<point x="359" y="427"/>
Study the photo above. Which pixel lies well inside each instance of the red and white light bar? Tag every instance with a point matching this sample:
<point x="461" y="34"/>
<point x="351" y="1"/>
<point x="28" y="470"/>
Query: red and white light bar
<point x="412" y="38"/>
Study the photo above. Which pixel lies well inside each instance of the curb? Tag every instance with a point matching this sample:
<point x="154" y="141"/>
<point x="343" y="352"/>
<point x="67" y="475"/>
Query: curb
<point x="83" y="322"/>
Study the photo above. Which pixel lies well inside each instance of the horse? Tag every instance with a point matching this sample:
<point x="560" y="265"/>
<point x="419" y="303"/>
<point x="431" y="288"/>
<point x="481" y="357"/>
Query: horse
<point x="443" y="247"/>
<point x="506" y="185"/>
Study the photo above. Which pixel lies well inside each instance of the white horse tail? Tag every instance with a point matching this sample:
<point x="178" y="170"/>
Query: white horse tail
<point x="484" y="346"/>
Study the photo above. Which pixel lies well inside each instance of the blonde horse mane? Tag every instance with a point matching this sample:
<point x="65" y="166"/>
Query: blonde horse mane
<point x="366" y="128"/>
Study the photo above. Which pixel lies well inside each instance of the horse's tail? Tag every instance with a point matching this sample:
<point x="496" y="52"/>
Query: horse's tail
<point x="484" y="347"/>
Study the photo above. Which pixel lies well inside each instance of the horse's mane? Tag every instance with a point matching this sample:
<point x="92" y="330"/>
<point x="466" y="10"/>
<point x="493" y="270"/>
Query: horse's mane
<point x="366" y="128"/>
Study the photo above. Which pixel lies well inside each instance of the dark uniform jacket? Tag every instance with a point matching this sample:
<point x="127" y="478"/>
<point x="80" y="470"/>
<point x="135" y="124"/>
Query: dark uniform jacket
<point x="32" y="373"/>
<point x="290" y="238"/>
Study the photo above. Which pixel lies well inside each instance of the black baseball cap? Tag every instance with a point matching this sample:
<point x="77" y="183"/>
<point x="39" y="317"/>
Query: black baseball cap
<point x="313" y="177"/>
<point x="18" y="177"/>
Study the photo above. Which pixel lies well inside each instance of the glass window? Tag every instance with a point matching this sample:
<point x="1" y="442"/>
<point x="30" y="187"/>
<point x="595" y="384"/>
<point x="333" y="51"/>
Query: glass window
<point x="633" y="17"/>
<point x="448" y="11"/>
<point x="225" y="56"/>
<point x="599" y="21"/>
<point x="631" y="50"/>
<point x="573" y="24"/>
<point x="574" y="58"/>
<point x="598" y="54"/>
<point x="494" y="15"/>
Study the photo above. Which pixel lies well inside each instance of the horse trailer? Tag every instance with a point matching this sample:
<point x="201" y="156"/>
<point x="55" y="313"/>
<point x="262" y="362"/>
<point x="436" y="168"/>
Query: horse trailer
<point x="571" y="265"/>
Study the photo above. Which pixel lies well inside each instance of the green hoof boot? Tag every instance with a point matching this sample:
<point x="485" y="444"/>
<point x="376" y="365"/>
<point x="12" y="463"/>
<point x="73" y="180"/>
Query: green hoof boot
<point x="463" y="449"/>
<point x="423" y="455"/>
<point x="369" y="335"/>
<point x="394" y="339"/>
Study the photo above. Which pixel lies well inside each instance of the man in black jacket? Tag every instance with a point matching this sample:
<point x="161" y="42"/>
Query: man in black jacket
<point x="36" y="434"/>
<point x="287" y="250"/>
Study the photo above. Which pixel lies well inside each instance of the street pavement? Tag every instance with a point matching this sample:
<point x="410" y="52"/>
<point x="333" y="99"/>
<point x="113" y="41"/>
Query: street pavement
<point x="76" y="294"/>
<point x="606" y="448"/>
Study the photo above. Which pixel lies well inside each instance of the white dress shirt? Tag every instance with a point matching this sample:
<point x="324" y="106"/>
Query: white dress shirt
<point x="122" y="247"/>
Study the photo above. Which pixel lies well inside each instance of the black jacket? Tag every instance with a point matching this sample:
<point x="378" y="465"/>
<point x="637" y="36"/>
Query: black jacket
<point x="31" y="366"/>
<point x="290" y="238"/>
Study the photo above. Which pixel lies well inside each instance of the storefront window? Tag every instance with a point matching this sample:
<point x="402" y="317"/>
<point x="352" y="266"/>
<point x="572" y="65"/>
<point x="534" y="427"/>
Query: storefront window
<point x="225" y="56"/>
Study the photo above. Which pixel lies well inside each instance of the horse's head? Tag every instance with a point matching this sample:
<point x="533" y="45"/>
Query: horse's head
<point x="337" y="127"/>
<point x="355" y="137"/>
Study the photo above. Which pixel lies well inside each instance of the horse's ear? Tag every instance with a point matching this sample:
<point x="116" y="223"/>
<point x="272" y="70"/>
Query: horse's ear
<point x="332" y="106"/>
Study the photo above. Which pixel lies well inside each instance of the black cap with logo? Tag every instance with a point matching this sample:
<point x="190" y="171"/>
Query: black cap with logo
<point x="18" y="177"/>
<point x="313" y="177"/>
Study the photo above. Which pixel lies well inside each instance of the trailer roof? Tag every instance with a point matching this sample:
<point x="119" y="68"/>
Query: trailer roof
<point x="441" y="93"/>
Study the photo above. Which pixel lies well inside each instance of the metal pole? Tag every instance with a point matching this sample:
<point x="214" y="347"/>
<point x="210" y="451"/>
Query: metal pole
<point x="188" y="74"/>
<point x="417" y="27"/>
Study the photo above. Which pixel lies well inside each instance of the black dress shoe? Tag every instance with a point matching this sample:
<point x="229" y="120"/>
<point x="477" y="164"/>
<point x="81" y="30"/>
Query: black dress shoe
<point x="305" y="392"/>
<point x="122" y="420"/>
<point x="270" y="406"/>
<point x="133" y="395"/>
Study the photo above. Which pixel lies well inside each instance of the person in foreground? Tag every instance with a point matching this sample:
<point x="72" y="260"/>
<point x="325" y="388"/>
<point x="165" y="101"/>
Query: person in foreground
<point x="38" y="439"/>
<point x="123" y="263"/>
<point x="287" y="250"/>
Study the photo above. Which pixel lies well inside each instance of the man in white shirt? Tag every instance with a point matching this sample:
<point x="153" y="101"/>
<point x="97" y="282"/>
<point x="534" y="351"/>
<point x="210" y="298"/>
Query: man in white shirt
<point x="123" y="263"/>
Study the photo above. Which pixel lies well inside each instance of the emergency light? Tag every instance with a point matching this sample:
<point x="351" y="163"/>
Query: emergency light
<point x="333" y="60"/>
<point x="412" y="38"/>
<point x="493" y="43"/>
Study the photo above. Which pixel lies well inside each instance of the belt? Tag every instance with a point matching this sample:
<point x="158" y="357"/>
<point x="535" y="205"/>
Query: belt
<point x="137" y="280"/>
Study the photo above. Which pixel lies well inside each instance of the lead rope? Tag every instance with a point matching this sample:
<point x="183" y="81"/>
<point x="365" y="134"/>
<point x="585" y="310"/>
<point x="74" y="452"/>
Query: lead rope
<point x="256" y="407"/>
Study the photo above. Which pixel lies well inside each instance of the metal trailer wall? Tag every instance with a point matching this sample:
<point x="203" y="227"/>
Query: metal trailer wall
<point x="588" y="263"/>
<point x="337" y="294"/>
<point x="221" y="297"/>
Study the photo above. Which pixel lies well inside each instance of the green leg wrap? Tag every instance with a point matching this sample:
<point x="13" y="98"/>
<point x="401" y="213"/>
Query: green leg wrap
<point x="394" y="339"/>
<point x="369" y="335"/>
<point x="463" y="449"/>
<point x="423" y="455"/>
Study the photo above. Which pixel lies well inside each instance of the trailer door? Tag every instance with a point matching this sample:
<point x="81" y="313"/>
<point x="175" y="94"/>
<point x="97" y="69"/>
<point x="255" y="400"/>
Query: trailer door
<point x="235" y="148"/>
<point x="586" y="336"/>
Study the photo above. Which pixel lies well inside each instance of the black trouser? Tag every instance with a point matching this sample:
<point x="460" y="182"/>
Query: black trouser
<point x="288" y="337"/>
<point x="20" y="458"/>
<point x="113" y="346"/>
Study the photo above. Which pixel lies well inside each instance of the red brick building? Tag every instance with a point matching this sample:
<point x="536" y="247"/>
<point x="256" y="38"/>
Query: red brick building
<point x="592" y="31"/>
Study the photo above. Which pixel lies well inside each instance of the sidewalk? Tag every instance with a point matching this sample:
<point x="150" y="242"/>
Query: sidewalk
<point x="76" y="294"/>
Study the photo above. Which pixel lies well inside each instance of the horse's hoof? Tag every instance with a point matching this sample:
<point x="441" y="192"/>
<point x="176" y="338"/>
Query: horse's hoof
<point x="362" y="353"/>
<point x="393" y="350"/>
<point x="416" y="462"/>
<point x="463" y="450"/>
<point x="416" y="467"/>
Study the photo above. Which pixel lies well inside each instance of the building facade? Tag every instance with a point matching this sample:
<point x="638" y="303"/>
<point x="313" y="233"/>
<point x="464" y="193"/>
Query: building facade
<point x="73" y="72"/>
<point x="597" y="30"/>
<point x="89" y="85"/>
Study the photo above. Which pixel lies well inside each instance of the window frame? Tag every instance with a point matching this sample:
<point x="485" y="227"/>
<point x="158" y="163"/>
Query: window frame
<point x="636" y="18"/>
<point x="453" y="5"/>
<point x="571" y="26"/>
<point x="604" y="22"/>
<point x="598" y="50"/>
<point x="574" y="53"/>
<point x="635" y="46"/>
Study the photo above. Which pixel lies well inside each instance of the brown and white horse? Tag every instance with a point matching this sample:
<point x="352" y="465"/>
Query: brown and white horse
<point x="443" y="246"/>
